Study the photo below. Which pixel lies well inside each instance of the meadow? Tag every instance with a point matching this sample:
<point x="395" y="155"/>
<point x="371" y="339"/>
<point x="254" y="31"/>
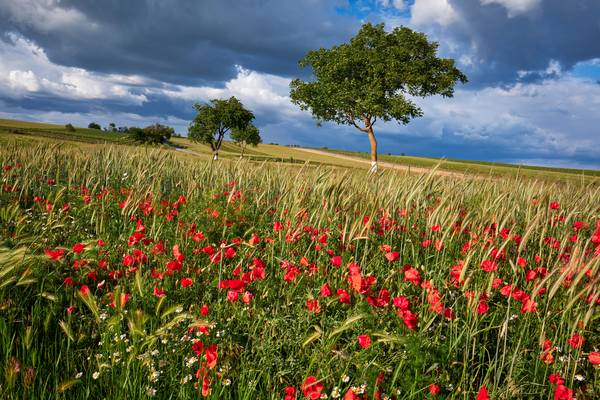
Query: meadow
<point x="133" y="272"/>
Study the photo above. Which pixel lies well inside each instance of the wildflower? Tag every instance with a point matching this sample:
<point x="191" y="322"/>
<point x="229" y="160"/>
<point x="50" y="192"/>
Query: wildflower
<point x="336" y="261"/>
<point x="392" y="256"/>
<point x="434" y="389"/>
<point x="204" y="310"/>
<point x="95" y="375"/>
<point x="576" y="341"/>
<point x="483" y="394"/>
<point x="247" y="297"/>
<point x="55" y="255"/>
<point x="186" y="282"/>
<point x="325" y="290"/>
<point x="489" y="266"/>
<point x="311" y="388"/>
<point x="290" y="393"/>
<point x="313" y="305"/>
<point x="411" y="275"/>
<point x="364" y="341"/>
<point x="78" y="248"/>
<point x="232" y="296"/>
<point x="594" y="358"/>
<point x="84" y="290"/>
<point x="344" y="296"/>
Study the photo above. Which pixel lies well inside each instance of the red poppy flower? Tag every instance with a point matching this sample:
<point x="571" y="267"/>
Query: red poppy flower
<point x="290" y="393"/>
<point x="325" y="290"/>
<point x="232" y="295"/>
<point x="489" y="266"/>
<point x="313" y="305"/>
<point x="483" y="394"/>
<point x="158" y="292"/>
<point x="186" y="282"/>
<point x="344" y="296"/>
<point x="576" y="341"/>
<point x="247" y="297"/>
<point x="364" y="341"/>
<point x="392" y="256"/>
<point x="434" y="389"/>
<point x="84" y="290"/>
<point x="336" y="261"/>
<point x="594" y="357"/>
<point x="54" y="255"/>
<point x="204" y="310"/>
<point x="411" y="275"/>
<point x="311" y="388"/>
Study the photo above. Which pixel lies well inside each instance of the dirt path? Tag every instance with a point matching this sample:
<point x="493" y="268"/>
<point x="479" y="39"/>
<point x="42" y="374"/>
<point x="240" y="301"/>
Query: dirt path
<point x="384" y="164"/>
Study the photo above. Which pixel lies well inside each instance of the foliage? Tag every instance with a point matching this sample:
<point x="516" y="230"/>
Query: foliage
<point x="216" y="119"/>
<point x="374" y="76"/>
<point x="93" y="125"/>
<point x="152" y="134"/>
<point x="128" y="273"/>
<point x="246" y="136"/>
<point x="70" y="128"/>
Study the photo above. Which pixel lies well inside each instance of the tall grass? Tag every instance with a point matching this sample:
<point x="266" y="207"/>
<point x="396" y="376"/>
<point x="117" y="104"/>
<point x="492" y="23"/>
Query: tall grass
<point x="113" y="346"/>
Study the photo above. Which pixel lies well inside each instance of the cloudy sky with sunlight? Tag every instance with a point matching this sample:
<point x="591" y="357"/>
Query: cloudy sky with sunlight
<point x="533" y="66"/>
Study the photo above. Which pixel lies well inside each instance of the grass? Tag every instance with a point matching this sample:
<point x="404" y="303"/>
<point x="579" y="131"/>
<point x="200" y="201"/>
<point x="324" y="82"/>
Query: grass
<point x="130" y="272"/>
<point x="483" y="167"/>
<point x="31" y="131"/>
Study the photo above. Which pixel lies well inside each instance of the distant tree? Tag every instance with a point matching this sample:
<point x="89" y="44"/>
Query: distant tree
<point x="153" y="134"/>
<point x="216" y="119"/>
<point x="94" y="125"/>
<point x="70" y="128"/>
<point x="122" y="129"/>
<point x="247" y="136"/>
<point x="372" y="77"/>
<point x="112" y="127"/>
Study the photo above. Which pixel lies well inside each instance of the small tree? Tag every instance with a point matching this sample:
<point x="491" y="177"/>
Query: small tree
<point x="70" y="128"/>
<point x="153" y="134"/>
<point x="369" y="78"/>
<point x="94" y="125"/>
<point x="244" y="137"/>
<point x="216" y="119"/>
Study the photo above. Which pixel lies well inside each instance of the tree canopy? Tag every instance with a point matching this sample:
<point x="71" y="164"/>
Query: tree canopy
<point x="247" y="136"/>
<point x="374" y="76"/>
<point x="152" y="134"/>
<point x="216" y="119"/>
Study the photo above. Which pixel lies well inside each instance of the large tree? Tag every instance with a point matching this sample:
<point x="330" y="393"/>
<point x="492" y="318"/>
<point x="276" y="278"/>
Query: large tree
<point x="216" y="119"/>
<point x="244" y="137"/>
<point x="374" y="76"/>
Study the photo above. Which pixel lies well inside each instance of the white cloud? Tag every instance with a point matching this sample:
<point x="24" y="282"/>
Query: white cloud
<point x="426" y="12"/>
<point x="514" y="7"/>
<point x="44" y="15"/>
<point x="554" y="116"/>
<point x="258" y="91"/>
<point x="397" y="4"/>
<point x="25" y="69"/>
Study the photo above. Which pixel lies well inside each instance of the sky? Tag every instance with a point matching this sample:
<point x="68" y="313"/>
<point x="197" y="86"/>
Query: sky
<point x="533" y="95"/>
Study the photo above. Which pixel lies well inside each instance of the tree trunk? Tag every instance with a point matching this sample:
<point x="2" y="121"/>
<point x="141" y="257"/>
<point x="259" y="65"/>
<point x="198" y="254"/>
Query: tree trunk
<point x="373" y="142"/>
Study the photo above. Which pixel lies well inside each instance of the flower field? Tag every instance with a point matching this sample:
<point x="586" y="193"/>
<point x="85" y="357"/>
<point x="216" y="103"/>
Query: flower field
<point x="130" y="273"/>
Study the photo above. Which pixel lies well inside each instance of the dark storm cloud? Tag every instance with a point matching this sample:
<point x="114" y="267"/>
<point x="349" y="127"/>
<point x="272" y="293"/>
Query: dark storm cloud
<point x="503" y="44"/>
<point x="188" y="41"/>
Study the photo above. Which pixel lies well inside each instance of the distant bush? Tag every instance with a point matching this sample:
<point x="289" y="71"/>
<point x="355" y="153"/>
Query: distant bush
<point x="70" y="128"/>
<point x="153" y="134"/>
<point x="94" y="125"/>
